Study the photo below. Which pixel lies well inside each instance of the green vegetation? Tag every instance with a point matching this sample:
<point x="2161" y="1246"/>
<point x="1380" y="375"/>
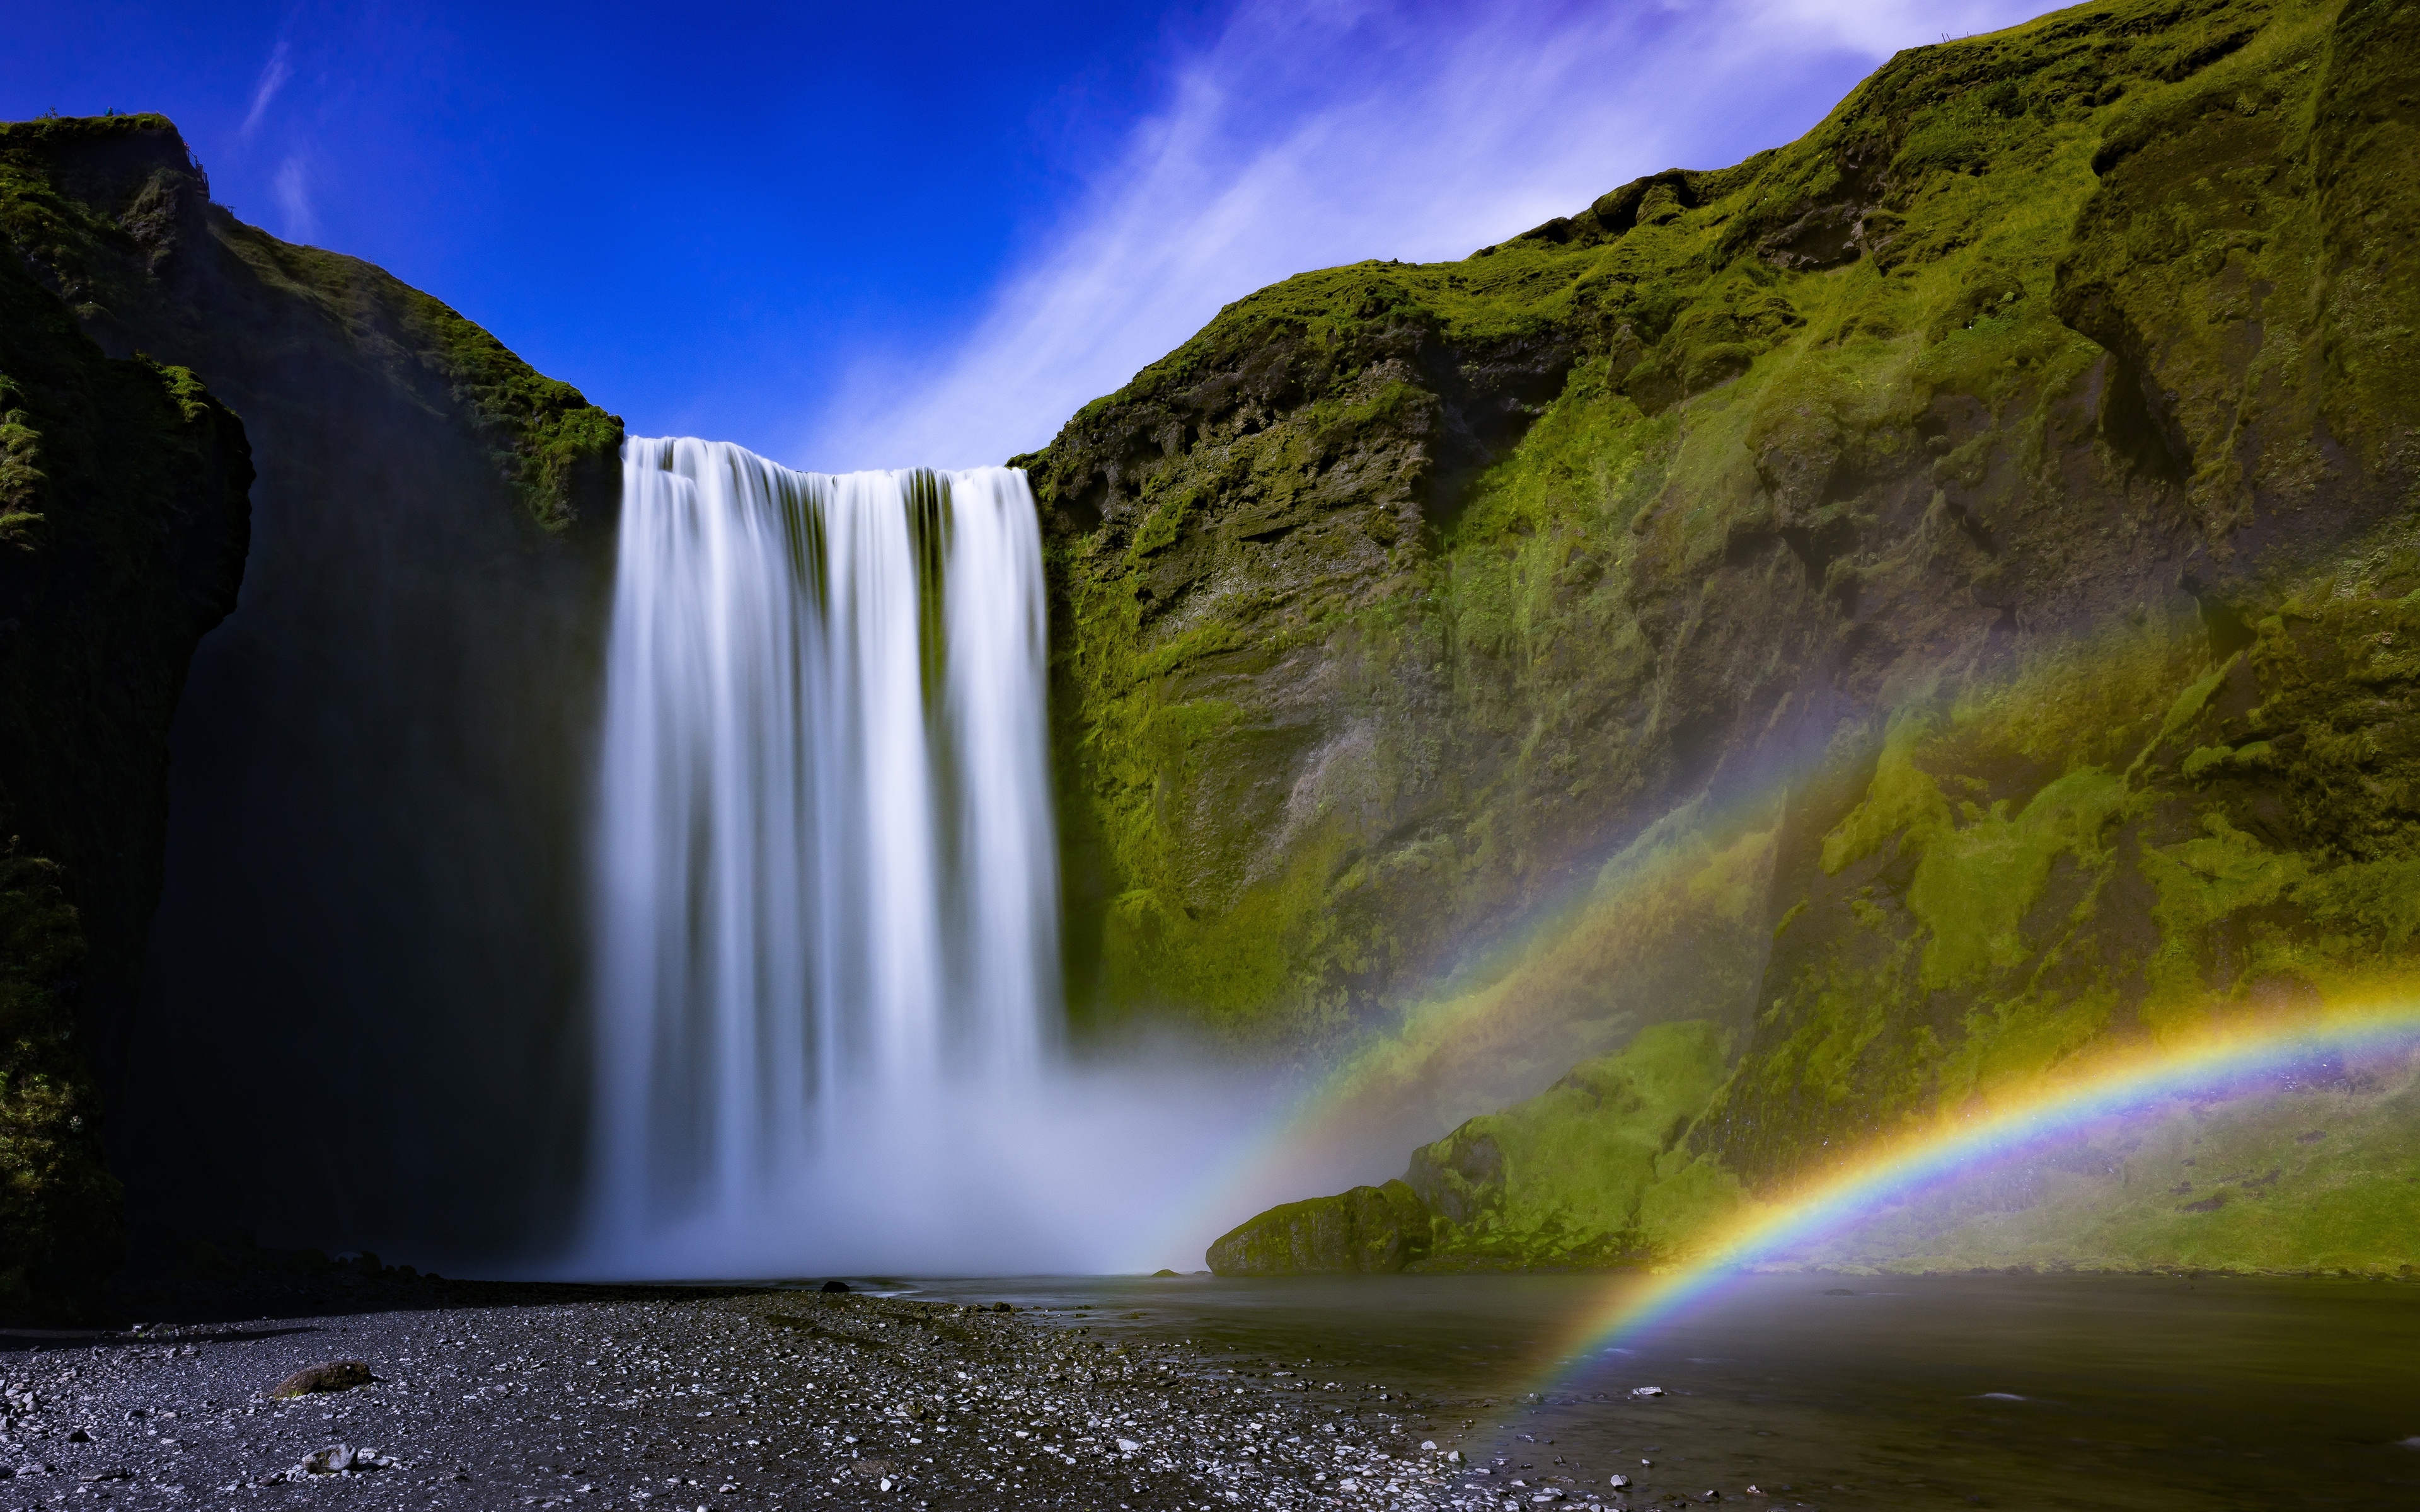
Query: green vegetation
<point x="122" y="528"/>
<point x="1368" y="1230"/>
<point x="1594" y="1171"/>
<point x="58" y="1207"/>
<point x="98" y="206"/>
<point x="1980" y="521"/>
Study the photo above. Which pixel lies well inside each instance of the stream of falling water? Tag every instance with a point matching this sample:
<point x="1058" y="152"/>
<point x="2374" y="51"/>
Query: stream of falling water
<point x="825" y="919"/>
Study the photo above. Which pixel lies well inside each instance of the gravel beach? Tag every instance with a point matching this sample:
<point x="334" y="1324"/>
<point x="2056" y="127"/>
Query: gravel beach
<point x="503" y="1396"/>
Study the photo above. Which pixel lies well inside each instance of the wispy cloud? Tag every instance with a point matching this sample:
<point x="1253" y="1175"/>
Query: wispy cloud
<point x="1311" y="134"/>
<point x="297" y="220"/>
<point x="274" y="75"/>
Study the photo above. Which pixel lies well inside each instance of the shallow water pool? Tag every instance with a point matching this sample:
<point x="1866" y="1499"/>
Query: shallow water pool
<point x="1937" y="1392"/>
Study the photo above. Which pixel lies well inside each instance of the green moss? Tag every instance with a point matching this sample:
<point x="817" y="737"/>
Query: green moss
<point x="95" y="204"/>
<point x="1889" y="487"/>
<point x="58" y="1207"/>
<point x="1589" y="1172"/>
<point x="545" y="430"/>
<point x="1368" y="1230"/>
<point x="1977" y="882"/>
<point x="2310" y="1180"/>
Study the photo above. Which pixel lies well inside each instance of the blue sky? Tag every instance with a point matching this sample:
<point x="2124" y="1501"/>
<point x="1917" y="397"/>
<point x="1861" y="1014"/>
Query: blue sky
<point x="855" y="234"/>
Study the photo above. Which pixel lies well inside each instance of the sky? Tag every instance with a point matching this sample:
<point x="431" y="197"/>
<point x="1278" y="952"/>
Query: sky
<point x="856" y="235"/>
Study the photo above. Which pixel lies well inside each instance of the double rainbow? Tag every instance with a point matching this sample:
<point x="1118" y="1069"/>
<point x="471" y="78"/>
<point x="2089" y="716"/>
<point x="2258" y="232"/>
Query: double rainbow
<point x="1894" y="1171"/>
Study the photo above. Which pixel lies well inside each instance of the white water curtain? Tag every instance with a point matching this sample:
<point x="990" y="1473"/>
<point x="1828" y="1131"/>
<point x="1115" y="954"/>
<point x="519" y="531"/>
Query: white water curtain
<point x="826" y="869"/>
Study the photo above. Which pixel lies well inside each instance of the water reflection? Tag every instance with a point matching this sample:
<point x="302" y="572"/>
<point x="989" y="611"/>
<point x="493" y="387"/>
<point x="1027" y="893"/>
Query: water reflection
<point x="1933" y="1392"/>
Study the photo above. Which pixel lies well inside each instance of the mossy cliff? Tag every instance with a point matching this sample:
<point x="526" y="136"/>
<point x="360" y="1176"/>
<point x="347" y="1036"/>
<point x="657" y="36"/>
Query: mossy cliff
<point x="1776" y="597"/>
<point x="123" y="520"/>
<point x="375" y="756"/>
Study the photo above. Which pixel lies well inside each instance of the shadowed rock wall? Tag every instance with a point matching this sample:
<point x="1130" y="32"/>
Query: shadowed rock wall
<point x="363" y="976"/>
<point x="122" y="530"/>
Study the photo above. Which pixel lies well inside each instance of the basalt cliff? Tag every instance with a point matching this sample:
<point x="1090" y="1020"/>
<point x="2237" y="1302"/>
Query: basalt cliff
<point x="374" y="774"/>
<point x="1793" y="652"/>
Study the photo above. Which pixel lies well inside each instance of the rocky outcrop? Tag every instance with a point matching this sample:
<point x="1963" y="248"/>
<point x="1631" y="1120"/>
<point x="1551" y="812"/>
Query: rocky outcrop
<point x="1483" y="660"/>
<point x="370" y="897"/>
<point x="1371" y="1230"/>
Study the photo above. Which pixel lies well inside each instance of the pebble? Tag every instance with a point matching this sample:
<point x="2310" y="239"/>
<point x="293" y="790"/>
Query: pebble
<point x="481" y="1397"/>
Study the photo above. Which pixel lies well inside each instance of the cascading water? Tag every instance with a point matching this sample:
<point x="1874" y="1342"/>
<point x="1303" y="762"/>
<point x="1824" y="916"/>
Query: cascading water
<point x="826" y="881"/>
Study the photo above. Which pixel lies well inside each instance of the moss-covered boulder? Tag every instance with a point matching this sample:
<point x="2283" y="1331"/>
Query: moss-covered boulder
<point x="1369" y="1230"/>
<point x="1593" y="1172"/>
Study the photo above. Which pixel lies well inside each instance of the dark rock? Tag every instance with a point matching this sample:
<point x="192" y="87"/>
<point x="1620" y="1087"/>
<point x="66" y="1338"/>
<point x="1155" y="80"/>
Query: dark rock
<point x="833" y="1287"/>
<point x="334" y="1374"/>
<point x="423" y="571"/>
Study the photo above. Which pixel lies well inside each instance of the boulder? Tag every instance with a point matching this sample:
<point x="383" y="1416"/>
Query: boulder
<point x="1368" y="1230"/>
<point x="333" y="1375"/>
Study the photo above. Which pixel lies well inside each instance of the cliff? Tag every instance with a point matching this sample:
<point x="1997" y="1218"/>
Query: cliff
<point x="1920" y="604"/>
<point x="376" y="758"/>
<point x="123" y="517"/>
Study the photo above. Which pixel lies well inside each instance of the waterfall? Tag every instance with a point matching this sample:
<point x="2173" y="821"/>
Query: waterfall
<point x="824" y="874"/>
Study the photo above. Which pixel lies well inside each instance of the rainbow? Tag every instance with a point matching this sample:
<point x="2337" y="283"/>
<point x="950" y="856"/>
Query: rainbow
<point x="1899" y="1169"/>
<point x="1277" y="1161"/>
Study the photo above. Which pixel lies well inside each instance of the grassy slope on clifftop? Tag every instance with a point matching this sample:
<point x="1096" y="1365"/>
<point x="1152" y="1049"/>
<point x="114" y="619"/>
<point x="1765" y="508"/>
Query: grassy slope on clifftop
<point x="99" y="208"/>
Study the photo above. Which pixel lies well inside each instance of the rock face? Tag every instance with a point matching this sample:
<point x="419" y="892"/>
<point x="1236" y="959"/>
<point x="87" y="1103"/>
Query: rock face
<point x="1369" y="1230"/>
<point x="371" y="899"/>
<point x="1900" y="600"/>
<point x="122" y="528"/>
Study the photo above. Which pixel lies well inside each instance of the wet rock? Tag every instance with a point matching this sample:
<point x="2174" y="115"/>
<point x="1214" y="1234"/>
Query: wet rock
<point x="831" y="1287"/>
<point x="328" y="1376"/>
